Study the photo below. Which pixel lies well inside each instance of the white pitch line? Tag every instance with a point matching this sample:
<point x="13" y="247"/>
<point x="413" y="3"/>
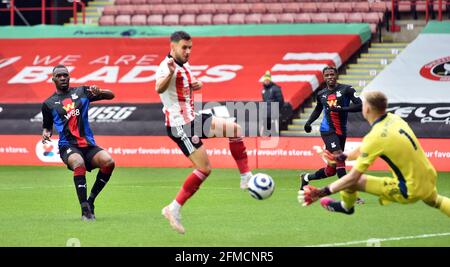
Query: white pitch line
<point x="380" y="240"/>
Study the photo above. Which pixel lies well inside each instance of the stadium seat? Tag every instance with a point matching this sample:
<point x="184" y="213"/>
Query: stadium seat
<point x="209" y="9"/>
<point x="327" y="7"/>
<point x="242" y="8"/>
<point x="361" y="7"/>
<point x="202" y="1"/>
<point x="122" y="2"/>
<point x="220" y="19"/>
<point x="378" y="6"/>
<point x="236" y="1"/>
<point x="337" y="17"/>
<point x="286" y="18"/>
<point x="175" y="9"/>
<point x="111" y="10"/>
<point x="269" y="18"/>
<point x="204" y="19"/>
<point x="309" y="7"/>
<point x="344" y="7"/>
<point x="155" y="19"/>
<point x="106" y="20"/>
<point x="187" y="19"/>
<point x="154" y="2"/>
<point x="170" y="1"/>
<point x="171" y="19"/>
<point x="139" y="20"/>
<point x="404" y="6"/>
<point x="138" y="2"/>
<point x="253" y="18"/>
<point x="258" y="8"/>
<point x="302" y="18"/>
<point x="444" y="6"/>
<point x="219" y="1"/>
<point x="123" y="20"/>
<point x="319" y="18"/>
<point x="142" y="10"/>
<point x="126" y="10"/>
<point x="371" y="18"/>
<point x="291" y="7"/>
<point x="236" y="19"/>
<point x="355" y="18"/>
<point x="270" y="1"/>
<point x="274" y="8"/>
<point x="421" y="6"/>
<point x="225" y="8"/>
<point x="158" y="9"/>
<point x="191" y="9"/>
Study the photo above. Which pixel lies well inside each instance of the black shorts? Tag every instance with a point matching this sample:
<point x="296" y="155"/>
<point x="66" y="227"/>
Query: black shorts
<point x="189" y="136"/>
<point x="333" y="142"/>
<point x="87" y="153"/>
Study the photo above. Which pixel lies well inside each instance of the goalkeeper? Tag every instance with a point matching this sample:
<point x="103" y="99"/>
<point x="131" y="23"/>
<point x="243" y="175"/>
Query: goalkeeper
<point x="391" y="138"/>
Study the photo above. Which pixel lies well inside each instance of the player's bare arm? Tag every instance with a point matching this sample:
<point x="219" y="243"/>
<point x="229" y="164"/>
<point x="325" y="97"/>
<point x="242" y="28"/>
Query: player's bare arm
<point x="103" y="93"/>
<point x="346" y="182"/>
<point x="46" y="134"/>
<point x="163" y="83"/>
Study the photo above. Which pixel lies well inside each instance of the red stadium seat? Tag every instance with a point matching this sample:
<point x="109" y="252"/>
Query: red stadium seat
<point x="153" y="2"/>
<point x="191" y="9"/>
<point x="170" y="1"/>
<point x="337" y="17"/>
<point x="309" y="7"/>
<point x="142" y="10"/>
<point x="327" y="7"/>
<point x="291" y="7"/>
<point x="219" y="1"/>
<point x="444" y="5"/>
<point x="138" y="2"/>
<point x="361" y="7"/>
<point x="404" y="6"/>
<point x="204" y="19"/>
<point x="187" y="19"/>
<point x="242" y="8"/>
<point x="236" y="19"/>
<point x="378" y="6"/>
<point x="122" y="2"/>
<point x="202" y="1"/>
<point x="371" y="18"/>
<point x="158" y="9"/>
<point x="106" y="20"/>
<point x="258" y="8"/>
<point x="123" y="20"/>
<point x="126" y="10"/>
<point x="274" y="8"/>
<point x="302" y="18"/>
<point x="253" y="18"/>
<point x="171" y="19"/>
<point x="139" y="20"/>
<point x="286" y="18"/>
<point x="319" y="18"/>
<point x="111" y="10"/>
<point x="155" y="19"/>
<point x="421" y="6"/>
<point x="236" y="1"/>
<point x="208" y="9"/>
<point x="175" y="9"/>
<point x="355" y="18"/>
<point x="220" y="19"/>
<point x="269" y="18"/>
<point x="344" y="7"/>
<point x="225" y="8"/>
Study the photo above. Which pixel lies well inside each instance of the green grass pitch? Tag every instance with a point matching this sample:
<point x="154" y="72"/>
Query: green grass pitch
<point x="39" y="207"/>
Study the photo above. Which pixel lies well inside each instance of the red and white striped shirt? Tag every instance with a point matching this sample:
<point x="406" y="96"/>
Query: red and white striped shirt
<point x="177" y="99"/>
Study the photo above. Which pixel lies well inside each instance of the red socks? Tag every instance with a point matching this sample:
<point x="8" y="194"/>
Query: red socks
<point x="190" y="186"/>
<point x="239" y="153"/>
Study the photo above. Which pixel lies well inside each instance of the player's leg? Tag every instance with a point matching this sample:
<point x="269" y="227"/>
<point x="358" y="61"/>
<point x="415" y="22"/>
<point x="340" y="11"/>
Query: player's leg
<point x="348" y="198"/>
<point x="72" y="157"/>
<point x="226" y="128"/>
<point x="438" y="201"/>
<point x="102" y="160"/>
<point x="332" y="144"/>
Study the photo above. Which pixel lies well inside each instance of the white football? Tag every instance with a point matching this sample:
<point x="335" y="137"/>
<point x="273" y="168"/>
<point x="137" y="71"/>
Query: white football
<point x="261" y="186"/>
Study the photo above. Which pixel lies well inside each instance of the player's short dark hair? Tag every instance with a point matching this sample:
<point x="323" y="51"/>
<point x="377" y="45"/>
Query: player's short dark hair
<point x="330" y="68"/>
<point x="58" y="67"/>
<point x="377" y="100"/>
<point x="179" y="35"/>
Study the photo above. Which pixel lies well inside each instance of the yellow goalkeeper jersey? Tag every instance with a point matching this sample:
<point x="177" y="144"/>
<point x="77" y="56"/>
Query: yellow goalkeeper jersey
<point x="392" y="139"/>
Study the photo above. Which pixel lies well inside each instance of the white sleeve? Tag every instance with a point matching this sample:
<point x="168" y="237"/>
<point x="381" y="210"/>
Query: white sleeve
<point x="163" y="70"/>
